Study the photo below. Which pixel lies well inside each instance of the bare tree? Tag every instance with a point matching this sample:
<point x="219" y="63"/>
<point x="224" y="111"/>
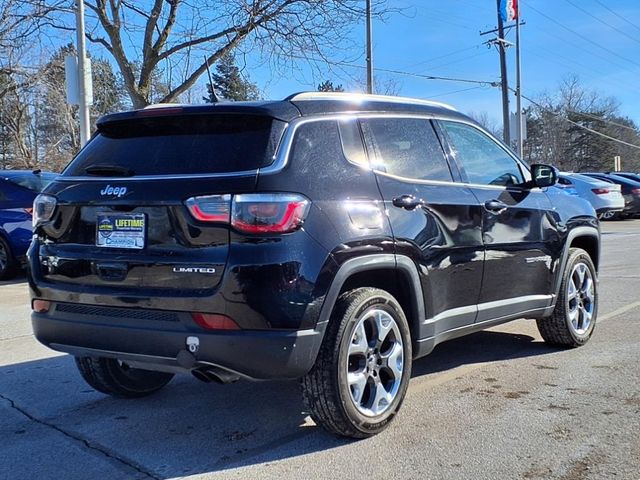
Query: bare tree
<point x="489" y="123"/>
<point x="182" y="37"/>
<point x="576" y="128"/>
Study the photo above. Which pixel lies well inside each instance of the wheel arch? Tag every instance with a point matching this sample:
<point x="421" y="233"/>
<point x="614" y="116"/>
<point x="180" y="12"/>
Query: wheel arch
<point x="397" y="275"/>
<point x="587" y="238"/>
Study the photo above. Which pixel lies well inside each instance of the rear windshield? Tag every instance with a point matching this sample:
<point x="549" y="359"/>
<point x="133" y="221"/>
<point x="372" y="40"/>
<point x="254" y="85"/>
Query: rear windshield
<point x="181" y="145"/>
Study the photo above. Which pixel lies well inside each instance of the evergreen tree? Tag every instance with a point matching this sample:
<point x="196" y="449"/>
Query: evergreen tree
<point x="229" y="82"/>
<point x="327" y="86"/>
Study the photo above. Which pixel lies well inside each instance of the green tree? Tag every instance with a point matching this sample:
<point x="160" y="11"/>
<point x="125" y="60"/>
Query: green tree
<point x="229" y="82"/>
<point x="579" y="129"/>
<point x="328" y="86"/>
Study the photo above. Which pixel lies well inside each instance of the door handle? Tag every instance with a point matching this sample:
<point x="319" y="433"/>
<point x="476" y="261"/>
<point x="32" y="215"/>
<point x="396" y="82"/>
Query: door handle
<point x="495" y="206"/>
<point x="408" y="202"/>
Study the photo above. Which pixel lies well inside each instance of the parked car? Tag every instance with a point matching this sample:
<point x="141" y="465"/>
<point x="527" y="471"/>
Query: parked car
<point x="630" y="175"/>
<point x="18" y="188"/>
<point x="605" y="196"/>
<point x="630" y="192"/>
<point x="328" y="237"/>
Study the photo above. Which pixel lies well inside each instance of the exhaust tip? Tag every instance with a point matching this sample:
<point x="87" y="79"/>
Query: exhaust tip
<point x="213" y="374"/>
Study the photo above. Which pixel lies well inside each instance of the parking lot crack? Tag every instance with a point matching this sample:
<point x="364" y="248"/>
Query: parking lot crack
<point x="78" y="438"/>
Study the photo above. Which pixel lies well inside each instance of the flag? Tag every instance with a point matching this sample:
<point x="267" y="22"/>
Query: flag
<point x="509" y="10"/>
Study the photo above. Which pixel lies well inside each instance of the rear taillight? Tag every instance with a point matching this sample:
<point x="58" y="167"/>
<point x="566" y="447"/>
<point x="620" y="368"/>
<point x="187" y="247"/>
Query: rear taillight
<point x="600" y="191"/>
<point x="43" y="208"/>
<point x="29" y="211"/>
<point x="252" y="212"/>
<point x="210" y="208"/>
<point x="214" y="321"/>
<point x="268" y="212"/>
<point x="635" y="191"/>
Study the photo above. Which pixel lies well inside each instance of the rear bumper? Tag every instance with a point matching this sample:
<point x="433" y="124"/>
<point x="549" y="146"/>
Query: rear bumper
<point x="632" y="205"/>
<point x="254" y="354"/>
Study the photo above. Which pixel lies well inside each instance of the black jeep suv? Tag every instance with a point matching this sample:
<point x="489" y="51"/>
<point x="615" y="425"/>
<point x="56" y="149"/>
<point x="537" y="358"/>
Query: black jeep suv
<point x="328" y="237"/>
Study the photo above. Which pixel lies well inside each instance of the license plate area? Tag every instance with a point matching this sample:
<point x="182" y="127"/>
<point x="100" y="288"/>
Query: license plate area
<point x="121" y="230"/>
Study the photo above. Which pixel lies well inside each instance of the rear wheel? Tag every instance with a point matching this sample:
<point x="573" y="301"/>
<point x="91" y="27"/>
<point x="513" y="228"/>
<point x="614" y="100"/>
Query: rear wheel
<point x="7" y="261"/>
<point x="363" y="368"/>
<point x="574" y="317"/>
<point x="116" y="378"/>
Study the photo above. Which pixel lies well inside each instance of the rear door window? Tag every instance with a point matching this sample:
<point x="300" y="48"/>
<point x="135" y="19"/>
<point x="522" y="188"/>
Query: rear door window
<point x="196" y="144"/>
<point x="406" y="147"/>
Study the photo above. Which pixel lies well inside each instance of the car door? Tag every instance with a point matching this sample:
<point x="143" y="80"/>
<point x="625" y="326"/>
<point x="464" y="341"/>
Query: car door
<point x="434" y="220"/>
<point x="518" y="232"/>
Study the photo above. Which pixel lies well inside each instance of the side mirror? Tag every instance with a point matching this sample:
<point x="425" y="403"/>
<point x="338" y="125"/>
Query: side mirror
<point x="543" y="175"/>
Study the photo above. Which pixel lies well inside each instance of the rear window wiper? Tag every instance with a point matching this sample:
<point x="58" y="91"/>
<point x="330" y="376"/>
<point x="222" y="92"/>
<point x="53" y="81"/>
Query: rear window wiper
<point x="109" y="171"/>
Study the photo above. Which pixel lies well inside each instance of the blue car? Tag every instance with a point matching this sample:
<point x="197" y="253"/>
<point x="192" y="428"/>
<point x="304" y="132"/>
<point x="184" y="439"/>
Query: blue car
<point x="18" y="188"/>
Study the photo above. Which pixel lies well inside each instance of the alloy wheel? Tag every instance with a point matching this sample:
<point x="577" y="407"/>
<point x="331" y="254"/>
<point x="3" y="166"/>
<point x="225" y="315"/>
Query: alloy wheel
<point x="581" y="298"/>
<point x="375" y="362"/>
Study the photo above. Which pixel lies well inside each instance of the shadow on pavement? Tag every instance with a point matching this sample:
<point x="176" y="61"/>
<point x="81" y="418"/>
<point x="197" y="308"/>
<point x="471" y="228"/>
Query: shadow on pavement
<point x="192" y="428"/>
<point x="21" y="278"/>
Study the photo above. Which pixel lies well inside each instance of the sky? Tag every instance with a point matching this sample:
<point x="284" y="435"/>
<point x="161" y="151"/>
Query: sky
<point x="597" y="40"/>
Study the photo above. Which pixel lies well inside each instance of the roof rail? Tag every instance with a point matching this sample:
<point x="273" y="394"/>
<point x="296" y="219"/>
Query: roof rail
<point x="163" y="105"/>
<point x="363" y="97"/>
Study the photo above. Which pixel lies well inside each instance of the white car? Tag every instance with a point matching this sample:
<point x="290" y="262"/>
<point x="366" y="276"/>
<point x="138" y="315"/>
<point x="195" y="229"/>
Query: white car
<point x="606" y="197"/>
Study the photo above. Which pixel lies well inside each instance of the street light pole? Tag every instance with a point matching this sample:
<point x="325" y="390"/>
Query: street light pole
<point x="82" y="75"/>
<point x="519" y="89"/>
<point x="369" y="49"/>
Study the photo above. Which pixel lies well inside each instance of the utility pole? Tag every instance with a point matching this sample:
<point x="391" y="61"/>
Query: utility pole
<point x="369" y="49"/>
<point x="506" y="131"/>
<point x="82" y="75"/>
<point x="520" y="147"/>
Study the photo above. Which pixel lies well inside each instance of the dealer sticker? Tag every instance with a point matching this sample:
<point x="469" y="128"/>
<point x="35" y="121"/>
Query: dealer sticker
<point x="121" y="230"/>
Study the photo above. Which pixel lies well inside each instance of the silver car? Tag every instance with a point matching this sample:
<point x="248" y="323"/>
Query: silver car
<point x="606" y="197"/>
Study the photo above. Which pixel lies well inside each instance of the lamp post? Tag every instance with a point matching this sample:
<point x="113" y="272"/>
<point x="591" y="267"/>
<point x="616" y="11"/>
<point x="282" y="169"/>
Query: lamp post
<point x="82" y="75"/>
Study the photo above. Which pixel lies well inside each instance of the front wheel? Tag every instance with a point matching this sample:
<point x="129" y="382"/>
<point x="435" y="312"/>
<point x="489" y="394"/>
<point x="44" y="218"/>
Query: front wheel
<point x="116" y="378"/>
<point x="361" y="375"/>
<point x="574" y="317"/>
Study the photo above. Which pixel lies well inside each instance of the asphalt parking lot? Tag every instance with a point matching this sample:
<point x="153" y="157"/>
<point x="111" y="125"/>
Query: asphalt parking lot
<point x="495" y="405"/>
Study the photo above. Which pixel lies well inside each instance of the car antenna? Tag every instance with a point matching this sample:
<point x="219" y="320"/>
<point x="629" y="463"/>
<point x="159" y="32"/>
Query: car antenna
<point x="214" y="96"/>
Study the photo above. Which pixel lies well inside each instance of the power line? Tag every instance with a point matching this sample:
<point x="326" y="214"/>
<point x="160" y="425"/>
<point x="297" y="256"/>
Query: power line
<point x="595" y="117"/>
<point x="617" y="15"/>
<point x="558" y="59"/>
<point x="455" y="91"/>
<point x="581" y="47"/>
<point x="455" y="52"/>
<point x="586" y="39"/>
<point x="459" y="60"/>
<point x="484" y="83"/>
<point x="622" y="32"/>
<point x="604" y="135"/>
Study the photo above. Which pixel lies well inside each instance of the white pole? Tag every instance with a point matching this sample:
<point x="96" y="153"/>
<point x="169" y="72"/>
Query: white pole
<point x="519" y="87"/>
<point x="82" y="75"/>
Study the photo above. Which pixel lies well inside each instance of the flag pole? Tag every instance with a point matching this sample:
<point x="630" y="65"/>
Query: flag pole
<point x="519" y="85"/>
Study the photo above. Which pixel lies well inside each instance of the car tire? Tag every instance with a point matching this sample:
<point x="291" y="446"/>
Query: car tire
<point x="115" y="378"/>
<point x="574" y="317"/>
<point x="362" y="371"/>
<point x="7" y="261"/>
